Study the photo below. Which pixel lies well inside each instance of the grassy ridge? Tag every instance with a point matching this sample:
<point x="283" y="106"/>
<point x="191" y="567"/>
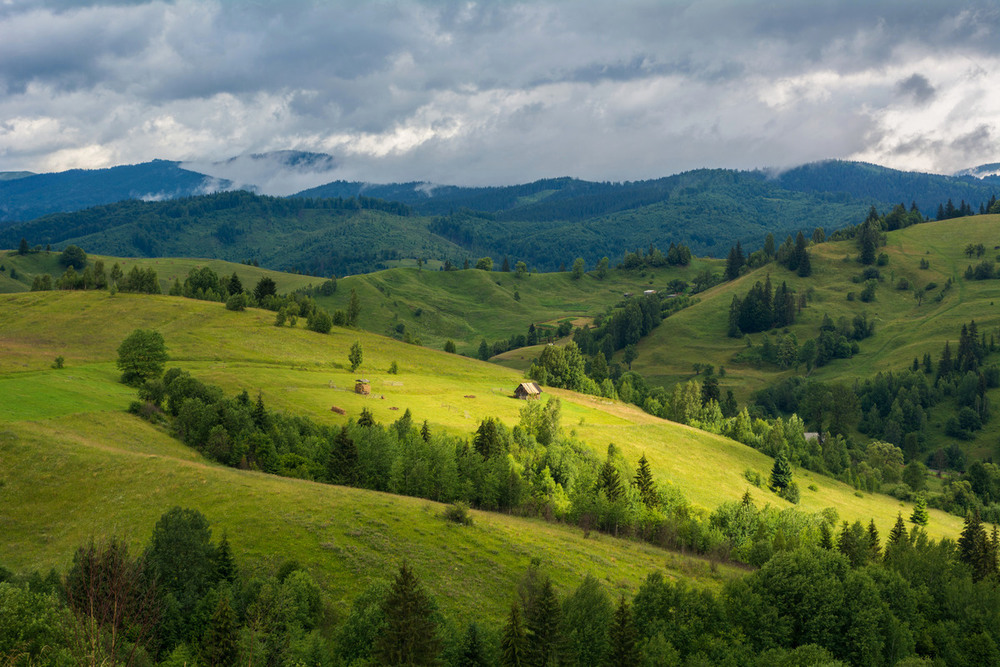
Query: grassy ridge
<point x="306" y="373"/>
<point x="67" y="479"/>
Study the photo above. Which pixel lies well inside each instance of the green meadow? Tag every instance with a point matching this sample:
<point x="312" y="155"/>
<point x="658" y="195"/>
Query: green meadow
<point x="73" y="463"/>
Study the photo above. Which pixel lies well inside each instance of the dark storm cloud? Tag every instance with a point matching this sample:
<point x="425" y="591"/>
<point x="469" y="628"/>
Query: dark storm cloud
<point x="916" y="87"/>
<point x="490" y="91"/>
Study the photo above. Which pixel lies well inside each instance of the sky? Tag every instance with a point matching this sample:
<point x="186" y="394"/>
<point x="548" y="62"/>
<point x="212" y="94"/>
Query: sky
<point x="493" y="93"/>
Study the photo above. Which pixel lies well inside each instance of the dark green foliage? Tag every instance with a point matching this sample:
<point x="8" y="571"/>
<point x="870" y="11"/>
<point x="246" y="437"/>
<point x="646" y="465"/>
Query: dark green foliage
<point x="141" y="356"/>
<point x="265" y="287"/>
<point x="542" y="622"/>
<point x="643" y="482"/>
<point x="623" y="649"/>
<point x="225" y="565"/>
<point x="319" y="321"/>
<point x="220" y="643"/>
<point x="353" y="309"/>
<point x="781" y="472"/>
<point x="23" y="248"/>
<point x="974" y="548"/>
<point x="449" y="346"/>
<point x="586" y="621"/>
<point x="474" y="652"/>
<point x="410" y="636"/>
<point x="342" y="465"/>
<point x="73" y="256"/>
<point x="735" y="262"/>
<point x="514" y="643"/>
<point x="920" y="515"/>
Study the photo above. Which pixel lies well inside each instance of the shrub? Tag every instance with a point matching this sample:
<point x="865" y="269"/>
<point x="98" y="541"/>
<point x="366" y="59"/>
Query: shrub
<point x="58" y="363"/>
<point x="753" y="477"/>
<point x="319" y="321"/>
<point x="393" y="368"/>
<point x="237" y="302"/>
<point x="458" y="512"/>
<point x="883" y="259"/>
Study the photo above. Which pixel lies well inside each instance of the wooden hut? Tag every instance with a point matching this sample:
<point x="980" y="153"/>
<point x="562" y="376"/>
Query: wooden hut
<point x="527" y="390"/>
<point x="363" y="387"/>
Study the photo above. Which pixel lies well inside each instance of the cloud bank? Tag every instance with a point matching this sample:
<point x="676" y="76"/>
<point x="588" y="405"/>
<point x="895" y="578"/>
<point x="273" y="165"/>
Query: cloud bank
<point x="499" y="92"/>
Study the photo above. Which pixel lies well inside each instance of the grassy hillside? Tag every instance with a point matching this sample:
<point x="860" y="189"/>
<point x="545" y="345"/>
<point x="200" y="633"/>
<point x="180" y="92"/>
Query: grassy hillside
<point x="306" y="373"/>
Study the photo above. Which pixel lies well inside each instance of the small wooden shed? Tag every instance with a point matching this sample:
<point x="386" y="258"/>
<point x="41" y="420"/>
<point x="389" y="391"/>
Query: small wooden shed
<point x="363" y="387"/>
<point x="527" y="390"/>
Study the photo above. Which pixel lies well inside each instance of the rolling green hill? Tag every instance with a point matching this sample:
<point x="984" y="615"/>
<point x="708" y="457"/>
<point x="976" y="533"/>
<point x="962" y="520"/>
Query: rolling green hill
<point x="90" y="443"/>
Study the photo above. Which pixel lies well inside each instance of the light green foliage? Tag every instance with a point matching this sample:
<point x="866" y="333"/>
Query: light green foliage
<point x="141" y="356"/>
<point x="356" y="355"/>
<point x="485" y="264"/>
<point x="577" y="271"/>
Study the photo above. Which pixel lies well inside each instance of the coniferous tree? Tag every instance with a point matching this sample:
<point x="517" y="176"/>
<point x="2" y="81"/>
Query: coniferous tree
<point x="920" y="515"/>
<point x="23" y="248"/>
<point x="644" y="483"/>
<point x="513" y="644"/>
<point x="425" y="432"/>
<point x="220" y="644"/>
<point x="542" y="631"/>
<point x="609" y="481"/>
<point x="973" y="546"/>
<point x="825" y="536"/>
<point x="473" y="649"/>
<point x="411" y="634"/>
<point x="874" y="547"/>
<point x="735" y="262"/>
<point x="224" y="558"/>
<point x="342" y="464"/>
<point x="484" y="350"/>
<point x="781" y="472"/>
<point x="353" y="308"/>
<point x="624" y="649"/>
<point x="366" y="419"/>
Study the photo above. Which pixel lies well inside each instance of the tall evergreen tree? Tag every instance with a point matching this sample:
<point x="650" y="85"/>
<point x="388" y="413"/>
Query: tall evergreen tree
<point x="643" y="481"/>
<point x="624" y="649"/>
<point x="973" y="546"/>
<point x="411" y="634"/>
<point x="220" y="643"/>
<point x="781" y="472"/>
<point x="735" y="262"/>
<point x="224" y="559"/>
<point x="825" y="536"/>
<point x="473" y="649"/>
<point x="543" y="627"/>
<point x="609" y="481"/>
<point x="513" y="643"/>
<point x="920" y="515"/>
<point x="874" y="547"/>
<point x="342" y="464"/>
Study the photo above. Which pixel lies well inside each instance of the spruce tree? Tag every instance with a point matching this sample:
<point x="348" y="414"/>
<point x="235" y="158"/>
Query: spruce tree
<point x="411" y="636"/>
<point x="973" y="546"/>
<point x="609" y="481"/>
<point x="781" y="472"/>
<point x="624" y="652"/>
<point x="543" y="626"/>
<point x="513" y="644"/>
<point x="874" y="547"/>
<point x="425" y="432"/>
<point x="644" y="483"/>
<point x="342" y="464"/>
<point x="224" y="559"/>
<point x="366" y="419"/>
<point x="920" y="515"/>
<point x="825" y="537"/>
<point x="220" y="643"/>
<point x="473" y="649"/>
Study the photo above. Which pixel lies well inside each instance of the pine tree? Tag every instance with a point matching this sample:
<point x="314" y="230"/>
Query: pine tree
<point x="825" y="537"/>
<point x="897" y="536"/>
<point x="781" y="472"/>
<point x="473" y="649"/>
<point x="874" y="547"/>
<point x="23" y="248"/>
<point x="220" y="644"/>
<point x="624" y="652"/>
<point x="920" y="515"/>
<point x="366" y="419"/>
<point x="973" y="546"/>
<point x="342" y="464"/>
<point x="353" y="309"/>
<point x="643" y="481"/>
<point x="484" y="350"/>
<point x="543" y="626"/>
<point x="224" y="557"/>
<point x="513" y="644"/>
<point x="609" y="481"/>
<point x="425" y="432"/>
<point x="410" y="636"/>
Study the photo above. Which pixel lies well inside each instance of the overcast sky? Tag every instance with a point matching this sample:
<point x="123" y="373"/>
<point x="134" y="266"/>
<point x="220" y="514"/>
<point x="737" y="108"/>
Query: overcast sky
<point x="501" y="92"/>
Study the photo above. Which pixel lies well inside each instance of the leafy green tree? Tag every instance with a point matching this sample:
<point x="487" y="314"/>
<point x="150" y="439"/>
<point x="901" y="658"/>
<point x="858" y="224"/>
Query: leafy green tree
<point x="520" y="270"/>
<point x="356" y="355"/>
<point x="141" y="356"/>
<point x="353" y="308"/>
<point x="411" y="634"/>
<point x="920" y="515"/>
<point x="73" y="256"/>
<point x="485" y="264"/>
<point x="602" y="268"/>
<point x="781" y="472"/>
<point x="630" y="355"/>
<point x="319" y="321"/>
<point x="586" y="620"/>
<point x="577" y="268"/>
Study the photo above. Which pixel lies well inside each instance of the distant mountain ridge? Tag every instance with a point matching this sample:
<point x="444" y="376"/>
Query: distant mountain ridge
<point x="30" y="197"/>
